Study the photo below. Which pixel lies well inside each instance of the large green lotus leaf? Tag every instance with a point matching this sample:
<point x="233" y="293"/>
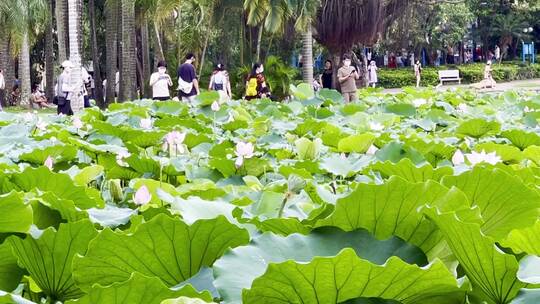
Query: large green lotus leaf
<point x="508" y="154"/>
<point x="524" y="240"/>
<point x="171" y="107"/>
<point x="522" y="139"/>
<point x="163" y="247"/>
<point x="533" y="153"/>
<point x="10" y="273"/>
<point x="331" y="95"/>
<point x="225" y="166"/>
<point x="88" y="174"/>
<point x="402" y="109"/>
<point x="478" y="127"/>
<point x="114" y="171"/>
<point x="395" y="151"/>
<point x="58" y="153"/>
<point x="411" y="172"/>
<point x="106" y="128"/>
<point x="15" y="215"/>
<point x="66" y="209"/>
<point x="139" y="289"/>
<point x="238" y="268"/>
<point x="143" y="139"/>
<point x="489" y="269"/>
<point x="331" y="135"/>
<point x="48" y="258"/>
<point x="359" y="143"/>
<point x="310" y="126"/>
<point x="344" y="277"/>
<point x="303" y="91"/>
<point x="207" y="98"/>
<point x="393" y="209"/>
<point x="505" y="202"/>
<point x="308" y="149"/>
<point x="144" y="165"/>
<point x="60" y="184"/>
<point x="344" y="167"/>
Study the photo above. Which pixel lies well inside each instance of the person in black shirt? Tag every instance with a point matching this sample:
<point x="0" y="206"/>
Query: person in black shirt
<point x="188" y="83"/>
<point x="327" y="77"/>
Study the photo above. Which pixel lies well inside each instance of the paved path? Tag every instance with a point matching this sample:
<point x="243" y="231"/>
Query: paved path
<point x="531" y="84"/>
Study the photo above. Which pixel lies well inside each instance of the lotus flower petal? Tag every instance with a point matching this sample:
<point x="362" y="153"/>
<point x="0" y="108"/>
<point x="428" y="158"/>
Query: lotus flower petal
<point x="146" y="123"/>
<point x="458" y="158"/>
<point x="49" y="163"/>
<point x="215" y="106"/>
<point x="77" y="123"/>
<point x="142" y="196"/>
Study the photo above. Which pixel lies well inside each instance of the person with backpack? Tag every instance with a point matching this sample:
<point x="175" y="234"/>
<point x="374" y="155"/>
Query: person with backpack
<point x="220" y="83"/>
<point x="256" y="86"/>
<point x="160" y="82"/>
<point x="188" y="83"/>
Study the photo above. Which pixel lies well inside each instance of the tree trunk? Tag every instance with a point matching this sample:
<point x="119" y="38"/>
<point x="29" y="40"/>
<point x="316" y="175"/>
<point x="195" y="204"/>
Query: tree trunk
<point x="61" y="29"/>
<point x="9" y="73"/>
<point x="158" y="47"/>
<point x="307" y="56"/>
<point x="146" y="65"/>
<point x="98" y="90"/>
<point x="111" y="15"/>
<point x="4" y="63"/>
<point x="75" y="79"/>
<point x="203" y="56"/>
<point x="24" y="69"/>
<point x="128" y="76"/>
<point x="336" y="59"/>
<point x="259" y="41"/>
<point x="49" y="56"/>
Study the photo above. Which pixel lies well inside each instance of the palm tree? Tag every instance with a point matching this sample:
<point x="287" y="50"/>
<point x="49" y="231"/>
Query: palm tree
<point x="128" y="79"/>
<point x="510" y="30"/>
<point x="61" y="29"/>
<point x="49" y="52"/>
<point x="95" y="54"/>
<point x="111" y="24"/>
<point x="21" y="17"/>
<point x="75" y="33"/>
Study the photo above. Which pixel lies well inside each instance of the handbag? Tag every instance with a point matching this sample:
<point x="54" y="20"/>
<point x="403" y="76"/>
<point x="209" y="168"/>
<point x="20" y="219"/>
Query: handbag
<point x="184" y="86"/>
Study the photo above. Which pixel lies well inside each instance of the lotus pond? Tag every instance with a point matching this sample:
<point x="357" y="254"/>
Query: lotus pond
<point x="419" y="197"/>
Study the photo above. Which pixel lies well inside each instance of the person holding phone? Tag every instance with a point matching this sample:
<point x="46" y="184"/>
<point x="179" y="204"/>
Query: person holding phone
<point x="347" y="76"/>
<point x="160" y="82"/>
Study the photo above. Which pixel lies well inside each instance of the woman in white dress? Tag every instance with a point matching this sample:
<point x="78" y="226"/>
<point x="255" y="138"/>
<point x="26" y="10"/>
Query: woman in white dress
<point x="418" y="72"/>
<point x="372" y="72"/>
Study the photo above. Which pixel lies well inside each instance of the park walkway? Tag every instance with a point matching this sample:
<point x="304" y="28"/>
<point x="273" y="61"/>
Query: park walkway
<point x="518" y="85"/>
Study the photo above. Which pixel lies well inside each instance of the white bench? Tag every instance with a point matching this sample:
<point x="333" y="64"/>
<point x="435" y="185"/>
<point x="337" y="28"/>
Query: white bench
<point x="449" y="75"/>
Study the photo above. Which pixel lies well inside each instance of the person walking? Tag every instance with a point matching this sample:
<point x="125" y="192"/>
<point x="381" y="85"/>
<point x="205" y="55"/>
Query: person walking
<point x="160" y="82"/>
<point x="488" y="76"/>
<point x="372" y="73"/>
<point x="219" y="82"/>
<point x="188" y="83"/>
<point x="63" y="89"/>
<point x="256" y="86"/>
<point x="418" y="72"/>
<point x="327" y="77"/>
<point x="2" y="89"/>
<point x="347" y="76"/>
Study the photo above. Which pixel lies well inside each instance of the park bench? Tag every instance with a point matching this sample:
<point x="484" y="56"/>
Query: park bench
<point x="449" y="75"/>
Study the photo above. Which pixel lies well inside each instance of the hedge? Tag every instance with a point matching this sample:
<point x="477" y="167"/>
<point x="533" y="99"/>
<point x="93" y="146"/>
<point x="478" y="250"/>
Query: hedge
<point x="470" y="73"/>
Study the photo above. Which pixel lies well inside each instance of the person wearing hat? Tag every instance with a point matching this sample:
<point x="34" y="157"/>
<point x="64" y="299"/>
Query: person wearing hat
<point x="347" y="76"/>
<point x="160" y="82"/>
<point x="220" y="82"/>
<point x="63" y="89"/>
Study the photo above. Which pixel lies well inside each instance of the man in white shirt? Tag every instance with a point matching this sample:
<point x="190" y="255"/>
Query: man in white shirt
<point x="160" y="82"/>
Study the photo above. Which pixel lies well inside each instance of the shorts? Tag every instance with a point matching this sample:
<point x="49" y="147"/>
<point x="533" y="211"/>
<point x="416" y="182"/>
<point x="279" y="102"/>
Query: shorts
<point x="162" y="98"/>
<point x="350" y="97"/>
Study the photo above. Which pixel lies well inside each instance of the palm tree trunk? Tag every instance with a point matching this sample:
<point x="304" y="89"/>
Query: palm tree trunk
<point x="128" y="79"/>
<point x="9" y="73"/>
<point x="259" y="41"/>
<point x="307" y="56"/>
<point x="24" y="69"/>
<point x="158" y="47"/>
<point x="203" y="56"/>
<point x="74" y="30"/>
<point x="111" y="15"/>
<point x="61" y="25"/>
<point x="98" y="90"/>
<point x="4" y="62"/>
<point x="144" y="54"/>
<point x="49" y="55"/>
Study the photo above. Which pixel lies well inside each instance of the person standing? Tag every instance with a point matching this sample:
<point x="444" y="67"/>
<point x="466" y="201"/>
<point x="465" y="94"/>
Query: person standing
<point x="347" y="76"/>
<point x="63" y="89"/>
<point x="497" y="53"/>
<point x="488" y="76"/>
<point x="327" y="77"/>
<point x="418" y="72"/>
<point x="160" y="82"/>
<point x="2" y="89"/>
<point x="372" y="72"/>
<point x="188" y="83"/>
<point x="220" y="83"/>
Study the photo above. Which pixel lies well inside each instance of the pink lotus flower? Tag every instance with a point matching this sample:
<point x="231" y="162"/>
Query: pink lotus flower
<point x="41" y="125"/>
<point x="243" y="151"/>
<point x="476" y="158"/>
<point x="174" y="142"/>
<point x="49" y="163"/>
<point x="146" y="123"/>
<point x="372" y="150"/>
<point x="142" y="196"/>
<point x="77" y="123"/>
<point x="215" y="106"/>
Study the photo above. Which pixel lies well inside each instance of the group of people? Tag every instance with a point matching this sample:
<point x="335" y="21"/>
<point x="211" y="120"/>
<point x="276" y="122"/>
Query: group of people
<point x="188" y="82"/>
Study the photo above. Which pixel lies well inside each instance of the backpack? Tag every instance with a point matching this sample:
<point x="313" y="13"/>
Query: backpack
<point x="251" y="89"/>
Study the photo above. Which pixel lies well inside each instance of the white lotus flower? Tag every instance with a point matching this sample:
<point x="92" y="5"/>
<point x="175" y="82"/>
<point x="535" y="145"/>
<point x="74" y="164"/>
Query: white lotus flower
<point x="77" y="123"/>
<point x="463" y="108"/>
<point x="28" y="116"/>
<point x="243" y="151"/>
<point x="376" y="126"/>
<point x="174" y="142"/>
<point x="49" y="163"/>
<point x="231" y="117"/>
<point x="146" y="123"/>
<point x="142" y="196"/>
<point x="120" y="158"/>
<point x="458" y="158"/>
<point x="343" y="156"/>
<point x="215" y="106"/>
<point x="476" y="158"/>
<point x="527" y="109"/>
<point x="41" y="125"/>
<point x="419" y="102"/>
<point x="372" y="150"/>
